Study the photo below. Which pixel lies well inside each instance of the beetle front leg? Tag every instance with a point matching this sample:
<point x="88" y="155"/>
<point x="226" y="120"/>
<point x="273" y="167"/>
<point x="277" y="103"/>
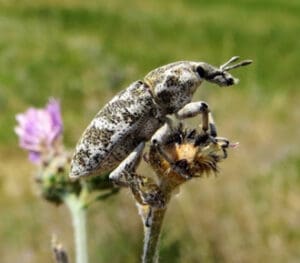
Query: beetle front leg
<point x="194" y="108"/>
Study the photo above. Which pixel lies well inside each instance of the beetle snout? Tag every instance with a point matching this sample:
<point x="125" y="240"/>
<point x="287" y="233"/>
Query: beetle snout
<point x="226" y="79"/>
<point x="230" y="81"/>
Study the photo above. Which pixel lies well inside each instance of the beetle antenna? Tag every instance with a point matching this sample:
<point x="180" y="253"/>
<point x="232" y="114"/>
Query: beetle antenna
<point x="233" y="59"/>
<point x="241" y="64"/>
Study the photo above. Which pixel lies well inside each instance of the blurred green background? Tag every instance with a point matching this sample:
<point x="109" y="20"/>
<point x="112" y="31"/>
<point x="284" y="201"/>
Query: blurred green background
<point x="84" y="52"/>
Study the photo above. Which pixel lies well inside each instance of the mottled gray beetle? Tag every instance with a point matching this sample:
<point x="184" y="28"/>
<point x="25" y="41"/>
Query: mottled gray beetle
<point x="115" y="139"/>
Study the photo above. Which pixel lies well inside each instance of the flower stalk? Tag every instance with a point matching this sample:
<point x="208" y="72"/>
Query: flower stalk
<point x="78" y="214"/>
<point x="152" y="236"/>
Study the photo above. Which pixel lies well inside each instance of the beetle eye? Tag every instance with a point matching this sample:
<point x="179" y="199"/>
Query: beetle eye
<point x="201" y="71"/>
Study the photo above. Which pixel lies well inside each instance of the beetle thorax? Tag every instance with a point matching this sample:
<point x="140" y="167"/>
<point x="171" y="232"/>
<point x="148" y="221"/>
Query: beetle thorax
<point x="173" y="85"/>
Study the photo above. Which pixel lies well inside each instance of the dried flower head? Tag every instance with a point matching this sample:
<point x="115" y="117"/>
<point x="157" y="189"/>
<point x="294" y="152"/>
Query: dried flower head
<point x="195" y="153"/>
<point x="40" y="131"/>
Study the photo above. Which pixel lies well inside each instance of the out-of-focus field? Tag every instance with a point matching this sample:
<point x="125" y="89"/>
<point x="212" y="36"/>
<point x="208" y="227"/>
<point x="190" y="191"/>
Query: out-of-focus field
<point x="84" y="52"/>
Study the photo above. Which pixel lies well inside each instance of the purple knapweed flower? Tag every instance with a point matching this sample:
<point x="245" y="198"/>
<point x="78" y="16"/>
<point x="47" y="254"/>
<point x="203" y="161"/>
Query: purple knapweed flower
<point x="39" y="130"/>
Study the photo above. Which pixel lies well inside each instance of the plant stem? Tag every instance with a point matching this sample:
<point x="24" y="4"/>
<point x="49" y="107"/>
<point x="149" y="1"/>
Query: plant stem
<point x="152" y="236"/>
<point x="78" y="214"/>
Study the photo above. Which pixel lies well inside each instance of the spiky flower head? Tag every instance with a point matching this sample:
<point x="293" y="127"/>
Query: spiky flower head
<point x="195" y="153"/>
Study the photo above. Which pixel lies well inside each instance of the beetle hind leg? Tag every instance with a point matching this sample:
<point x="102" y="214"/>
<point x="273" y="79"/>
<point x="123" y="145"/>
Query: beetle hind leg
<point x="119" y="176"/>
<point x="145" y="190"/>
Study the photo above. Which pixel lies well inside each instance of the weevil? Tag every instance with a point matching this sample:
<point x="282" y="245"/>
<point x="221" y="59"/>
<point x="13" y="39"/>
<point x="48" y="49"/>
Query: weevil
<point x="115" y="138"/>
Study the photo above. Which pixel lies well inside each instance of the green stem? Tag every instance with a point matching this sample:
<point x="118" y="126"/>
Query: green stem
<point x="78" y="214"/>
<point x="152" y="236"/>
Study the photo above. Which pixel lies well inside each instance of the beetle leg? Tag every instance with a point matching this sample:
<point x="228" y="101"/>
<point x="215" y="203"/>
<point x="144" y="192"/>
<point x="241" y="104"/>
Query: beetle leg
<point x="145" y="190"/>
<point x="161" y="135"/>
<point x="148" y="220"/>
<point x="194" y="108"/>
<point x="208" y="124"/>
<point x="128" y="166"/>
<point x="158" y="139"/>
<point x="224" y="145"/>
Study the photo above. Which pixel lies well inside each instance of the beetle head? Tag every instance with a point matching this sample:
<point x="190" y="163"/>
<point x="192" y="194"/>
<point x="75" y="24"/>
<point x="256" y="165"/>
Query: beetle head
<point x="220" y="76"/>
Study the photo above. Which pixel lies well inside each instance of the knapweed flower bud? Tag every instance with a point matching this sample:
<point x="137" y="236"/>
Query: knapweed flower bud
<point x="53" y="179"/>
<point x="40" y="130"/>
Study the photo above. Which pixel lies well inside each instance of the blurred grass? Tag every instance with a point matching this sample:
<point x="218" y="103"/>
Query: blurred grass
<point x="83" y="52"/>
